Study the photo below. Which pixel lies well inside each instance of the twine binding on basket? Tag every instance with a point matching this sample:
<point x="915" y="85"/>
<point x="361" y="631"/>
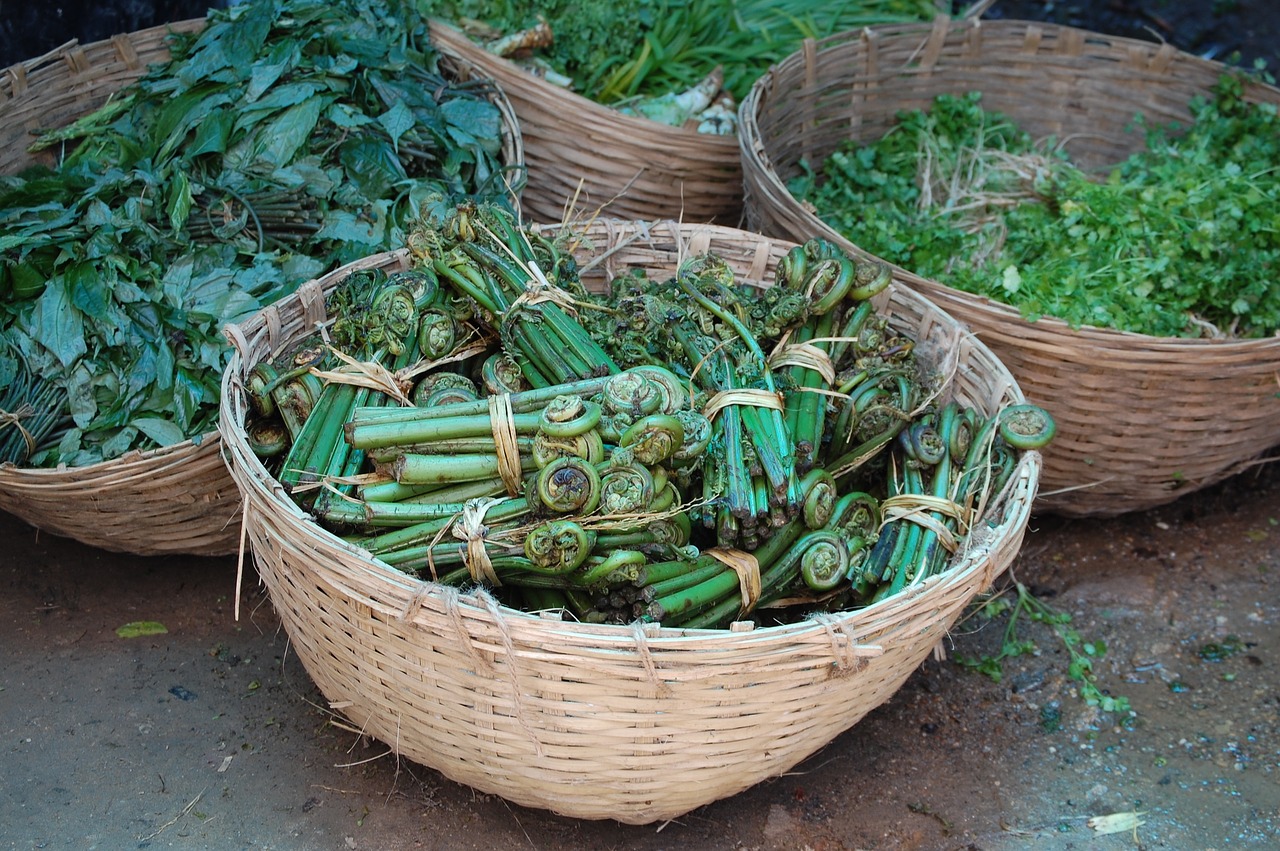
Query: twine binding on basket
<point x="849" y="656"/>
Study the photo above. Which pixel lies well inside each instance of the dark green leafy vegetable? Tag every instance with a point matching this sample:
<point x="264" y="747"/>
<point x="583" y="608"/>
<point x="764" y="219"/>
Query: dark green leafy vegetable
<point x="1181" y="239"/>
<point x="616" y="51"/>
<point x="282" y="140"/>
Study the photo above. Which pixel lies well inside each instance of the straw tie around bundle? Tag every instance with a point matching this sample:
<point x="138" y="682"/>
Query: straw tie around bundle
<point x="502" y="423"/>
<point x="754" y="398"/>
<point x="15" y="418"/>
<point x="808" y="356"/>
<point x="470" y="528"/>
<point x="918" y="508"/>
<point x="369" y="374"/>
<point x="538" y="290"/>
<point x="747" y="566"/>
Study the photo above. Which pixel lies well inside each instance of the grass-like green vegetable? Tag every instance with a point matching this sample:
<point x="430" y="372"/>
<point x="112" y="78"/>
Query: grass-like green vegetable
<point x="616" y="52"/>
<point x="1179" y="240"/>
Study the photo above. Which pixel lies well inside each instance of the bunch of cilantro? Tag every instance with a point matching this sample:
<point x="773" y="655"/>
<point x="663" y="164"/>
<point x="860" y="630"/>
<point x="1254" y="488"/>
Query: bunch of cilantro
<point x="286" y="138"/>
<point x="1182" y="239"/>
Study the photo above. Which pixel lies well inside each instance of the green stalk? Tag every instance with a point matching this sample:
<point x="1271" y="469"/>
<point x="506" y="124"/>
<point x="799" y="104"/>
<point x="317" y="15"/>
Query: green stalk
<point x="525" y="401"/>
<point x="457" y="492"/>
<point x="442" y="469"/>
<point x="464" y="279"/>
<point x="577" y="340"/>
<point x="695" y="573"/>
<point x="379" y="435"/>
<point x="798" y="375"/>
<point x="383" y="544"/>
<point x="810" y="409"/>
<point x="546" y="359"/>
<point x="448" y="446"/>
<point x="400" y="514"/>
<point x="316" y="442"/>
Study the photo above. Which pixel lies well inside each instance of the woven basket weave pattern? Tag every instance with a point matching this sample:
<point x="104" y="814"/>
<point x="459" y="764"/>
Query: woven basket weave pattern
<point x="636" y="724"/>
<point x="1141" y="420"/>
<point x="54" y="90"/>
<point x="179" y="499"/>
<point x="594" y="159"/>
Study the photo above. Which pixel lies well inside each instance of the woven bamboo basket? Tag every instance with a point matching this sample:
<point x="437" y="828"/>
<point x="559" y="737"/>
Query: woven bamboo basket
<point x="1141" y="419"/>
<point x="636" y="724"/>
<point x="180" y="498"/>
<point x="593" y="159"/>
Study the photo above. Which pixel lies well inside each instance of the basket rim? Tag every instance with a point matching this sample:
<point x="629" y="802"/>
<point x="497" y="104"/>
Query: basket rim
<point x="251" y="475"/>
<point x="752" y="147"/>
<point x="54" y="56"/>
<point x="134" y="456"/>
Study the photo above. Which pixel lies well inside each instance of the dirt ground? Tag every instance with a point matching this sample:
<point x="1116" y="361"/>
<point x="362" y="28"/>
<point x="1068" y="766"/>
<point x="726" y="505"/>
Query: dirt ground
<point x="212" y="736"/>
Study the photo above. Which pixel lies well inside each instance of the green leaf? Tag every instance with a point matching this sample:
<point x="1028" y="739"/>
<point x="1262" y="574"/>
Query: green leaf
<point x="266" y="71"/>
<point x="346" y="116"/>
<point x="344" y="226"/>
<point x="242" y="43"/>
<point x="397" y="121"/>
<point x="88" y="289"/>
<point x="179" y="204"/>
<point x="288" y="132"/>
<point x="472" y="120"/>
<point x="139" y="629"/>
<point x="119" y="442"/>
<point x="371" y="164"/>
<point x="59" y="326"/>
<point x="161" y="432"/>
<point x="212" y="135"/>
<point x="82" y="404"/>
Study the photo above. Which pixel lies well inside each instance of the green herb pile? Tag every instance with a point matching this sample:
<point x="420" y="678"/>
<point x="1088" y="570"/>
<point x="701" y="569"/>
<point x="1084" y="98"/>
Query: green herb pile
<point x="282" y="140"/>
<point x="620" y="50"/>
<point x="687" y="449"/>
<point x="1181" y="239"/>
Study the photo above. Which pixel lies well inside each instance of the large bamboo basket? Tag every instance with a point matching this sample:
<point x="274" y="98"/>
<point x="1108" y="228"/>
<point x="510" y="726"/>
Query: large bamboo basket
<point x="600" y="722"/>
<point x="180" y="498"/>
<point x="1141" y="419"/>
<point x="592" y="158"/>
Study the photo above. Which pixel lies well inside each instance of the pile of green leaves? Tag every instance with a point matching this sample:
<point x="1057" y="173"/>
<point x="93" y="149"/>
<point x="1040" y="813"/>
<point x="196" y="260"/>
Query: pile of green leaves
<point x="1181" y="239"/>
<point x="284" y="139"/>
<point x="629" y="48"/>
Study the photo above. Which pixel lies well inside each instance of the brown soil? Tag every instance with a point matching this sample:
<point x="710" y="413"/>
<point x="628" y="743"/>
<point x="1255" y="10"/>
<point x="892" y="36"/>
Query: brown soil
<point x="212" y="736"/>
